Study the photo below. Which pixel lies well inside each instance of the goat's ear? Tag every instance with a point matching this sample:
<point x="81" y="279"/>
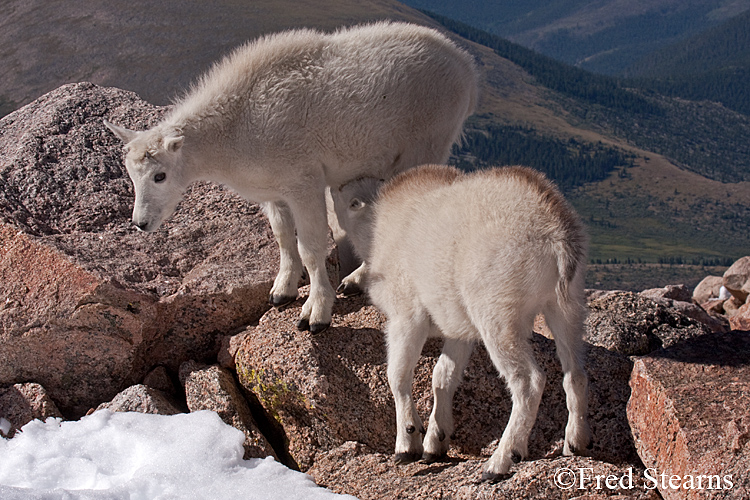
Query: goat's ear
<point x="173" y="143"/>
<point x="125" y="135"/>
<point x="356" y="204"/>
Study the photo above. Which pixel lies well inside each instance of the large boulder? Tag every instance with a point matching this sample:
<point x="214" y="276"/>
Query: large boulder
<point x="689" y="415"/>
<point x="737" y="279"/>
<point x="331" y="388"/>
<point x="709" y="288"/>
<point x="88" y="306"/>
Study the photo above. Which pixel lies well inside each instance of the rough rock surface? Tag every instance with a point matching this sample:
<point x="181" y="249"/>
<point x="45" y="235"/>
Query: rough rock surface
<point x="213" y="388"/>
<point x="631" y="324"/>
<point x="737" y="279"/>
<point x="143" y="399"/>
<point x="679" y="299"/>
<point x="353" y="469"/>
<point x="715" y="323"/>
<point x="22" y="403"/>
<point x="332" y="388"/>
<point x="88" y="305"/>
<point x="689" y="414"/>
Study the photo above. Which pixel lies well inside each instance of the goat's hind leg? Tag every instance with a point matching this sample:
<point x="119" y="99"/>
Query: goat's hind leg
<point x="513" y="357"/>
<point x="446" y="377"/>
<point x="406" y="337"/>
<point x="567" y="330"/>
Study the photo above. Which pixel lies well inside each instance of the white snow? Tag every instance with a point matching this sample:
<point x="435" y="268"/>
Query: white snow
<point x="136" y="456"/>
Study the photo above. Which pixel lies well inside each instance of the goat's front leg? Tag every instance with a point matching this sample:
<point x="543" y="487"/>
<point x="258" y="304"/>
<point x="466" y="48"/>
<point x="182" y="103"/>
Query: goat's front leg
<point x="354" y="283"/>
<point x="446" y="377"/>
<point x="348" y="259"/>
<point x="290" y="265"/>
<point x="312" y="233"/>
<point x="405" y="341"/>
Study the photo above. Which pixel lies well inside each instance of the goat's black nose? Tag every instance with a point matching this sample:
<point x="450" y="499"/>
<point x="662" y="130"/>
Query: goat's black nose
<point x="141" y="225"/>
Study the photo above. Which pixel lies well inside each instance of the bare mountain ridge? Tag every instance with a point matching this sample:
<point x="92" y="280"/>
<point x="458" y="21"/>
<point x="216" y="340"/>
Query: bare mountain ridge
<point x="155" y="49"/>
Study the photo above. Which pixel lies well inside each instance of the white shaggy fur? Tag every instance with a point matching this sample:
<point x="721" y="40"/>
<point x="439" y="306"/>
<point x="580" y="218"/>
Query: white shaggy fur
<point x="289" y="114"/>
<point x="458" y="256"/>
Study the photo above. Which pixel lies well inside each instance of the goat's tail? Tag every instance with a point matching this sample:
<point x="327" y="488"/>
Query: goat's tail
<point x="571" y="254"/>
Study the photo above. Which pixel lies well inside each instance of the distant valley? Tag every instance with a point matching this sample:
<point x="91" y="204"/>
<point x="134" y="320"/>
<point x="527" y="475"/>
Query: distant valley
<point x="605" y="36"/>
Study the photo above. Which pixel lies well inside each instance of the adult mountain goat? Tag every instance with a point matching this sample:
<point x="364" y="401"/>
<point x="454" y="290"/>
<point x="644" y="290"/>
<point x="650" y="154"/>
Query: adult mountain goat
<point x="287" y="115"/>
<point x="458" y="256"/>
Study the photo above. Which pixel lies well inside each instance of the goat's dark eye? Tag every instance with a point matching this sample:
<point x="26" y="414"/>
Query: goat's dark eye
<point x="160" y="177"/>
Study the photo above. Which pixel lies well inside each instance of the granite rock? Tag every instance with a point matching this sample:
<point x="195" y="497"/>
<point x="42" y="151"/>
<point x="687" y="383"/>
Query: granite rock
<point x="214" y="388"/>
<point x="740" y="320"/>
<point x="689" y="415"/>
<point x="88" y="305"/>
<point x="143" y="399"/>
<point x="737" y="279"/>
<point x="22" y="403"/>
<point x="708" y="289"/>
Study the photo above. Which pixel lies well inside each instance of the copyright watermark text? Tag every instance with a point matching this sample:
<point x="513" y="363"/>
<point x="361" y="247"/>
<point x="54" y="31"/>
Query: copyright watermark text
<point x="583" y="478"/>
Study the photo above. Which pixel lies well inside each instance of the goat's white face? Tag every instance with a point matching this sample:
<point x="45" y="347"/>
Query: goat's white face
<point x="354" y="201"/>
<point x="154" y="163"/>
<point x="354" y="204"/>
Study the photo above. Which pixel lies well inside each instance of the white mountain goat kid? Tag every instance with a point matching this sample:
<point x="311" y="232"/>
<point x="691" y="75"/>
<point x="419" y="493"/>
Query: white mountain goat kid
<point x="458" y="256"/>
<point x="289" y="114"/>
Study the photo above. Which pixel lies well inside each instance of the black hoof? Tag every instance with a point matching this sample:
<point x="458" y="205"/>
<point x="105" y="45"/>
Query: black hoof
<point x="431" y="458"/>
<point x="280" y="300"/>
<point x="406" y="458"/>
<point x="491" y="477"/>
<point x="349" y="290"/>
<point x="575" y="451"/>
<point x="304" y="325"/>
<point x="516" y="457"/>
<point x="319" y="327"/>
